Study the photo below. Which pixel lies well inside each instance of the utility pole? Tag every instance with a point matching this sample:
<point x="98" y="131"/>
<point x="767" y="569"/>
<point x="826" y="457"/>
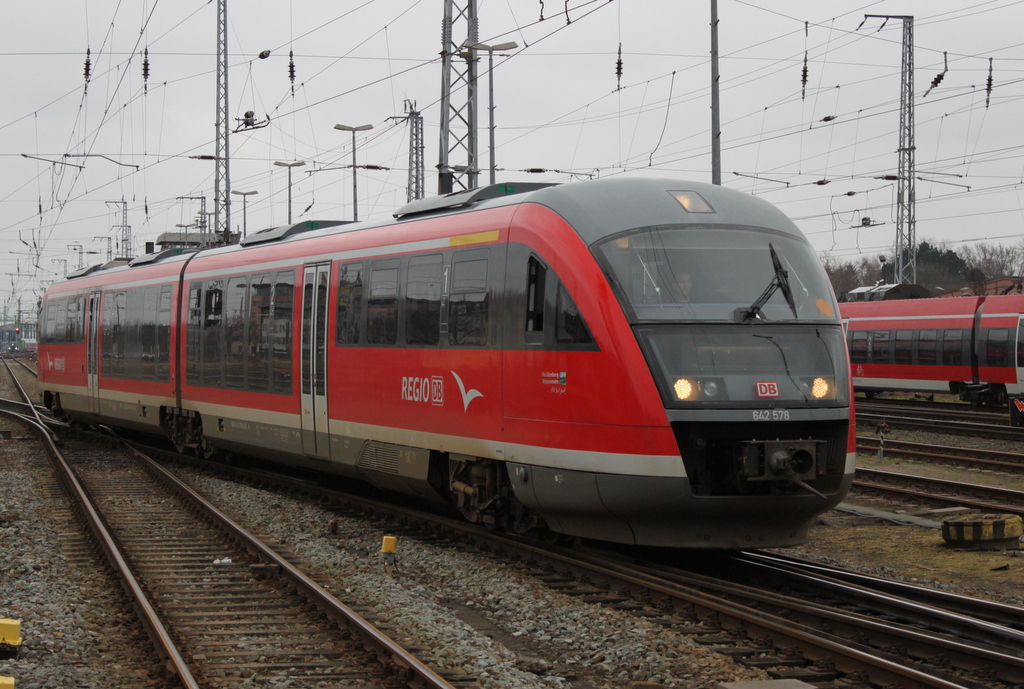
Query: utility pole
<point x="905" y="270"/>
<point x="716" y="134"/>
<point x="110" y="247"/>
<point x="458" y="122"/>
<point x="79" y="248"/>
<point x="125" y="229"/>
<point x="222" y="178"/>
<point x="414" y="188"/>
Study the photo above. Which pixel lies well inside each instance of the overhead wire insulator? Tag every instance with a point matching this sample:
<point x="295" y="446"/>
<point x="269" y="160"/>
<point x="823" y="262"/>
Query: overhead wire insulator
<point x="618" y="70"/>
<point x="988" y="84"/>
<point x="541" y="10"/>
<point x="145" y="70"/>
<point x="940" y="76"/>
<point x="88" y="67"/>
<point x="803" y="79"/>
<point x="291" y="69"/>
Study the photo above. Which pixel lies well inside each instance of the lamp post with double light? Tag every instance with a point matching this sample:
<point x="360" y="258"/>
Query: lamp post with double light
<point x="490" y="78"/>
<point x="298" y="163"/>
<point x="360" y="128"/>
<point x="245" y="201"/>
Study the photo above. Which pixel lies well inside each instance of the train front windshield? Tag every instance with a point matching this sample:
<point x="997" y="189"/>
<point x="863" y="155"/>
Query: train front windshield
<point x="731" y="316"/>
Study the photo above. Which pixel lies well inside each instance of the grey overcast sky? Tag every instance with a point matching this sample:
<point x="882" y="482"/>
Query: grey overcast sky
<point x="560" y="107"/>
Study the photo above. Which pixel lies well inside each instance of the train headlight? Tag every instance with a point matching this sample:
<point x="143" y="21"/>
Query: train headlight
<point x="710" y="388"/>
<point x="821" y="388"/>
<point x="684" y="388"/>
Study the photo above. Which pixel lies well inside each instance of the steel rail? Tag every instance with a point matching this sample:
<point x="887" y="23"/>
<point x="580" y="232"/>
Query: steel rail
<point x="158" y="634"/>
<point x="338" y="611"/>
<point x="993" y="459"/>
<point x="942" y="483"/>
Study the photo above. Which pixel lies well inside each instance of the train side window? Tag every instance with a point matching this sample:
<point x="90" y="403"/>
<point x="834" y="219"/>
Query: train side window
<point x="953" y="347"/>
<point x="350" y="303"/>
<point x="926" y="347"/>
<point x="997" y="347"/>
<point x="163" y="335"/>
<point x="234" y="332"/>
<point x="570" y="328"/>
<point x="147" y="332"/>
<point x="61" y="324"/>
<point x="132" y="334"/>
<point x="114" y="316"/>
<point x="382" y="304"/>
<point x="258" y="333"/>
<point x="859" y="346"/>
<point x="536" y="274"/>
<point x="194" y="332"/>
<point x="284" y="307"/>
<point x="904" y="346"/>
<point x="468" y="302"/>
<point x="423" y="300"/>
<point x="880" y="347"/>
<point x="50" y="329"/>
<point x="75" y="320"/>
<point x="213" y="333"/>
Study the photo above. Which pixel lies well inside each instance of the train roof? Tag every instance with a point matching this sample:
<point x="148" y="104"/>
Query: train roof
<point x="596" y="209"/>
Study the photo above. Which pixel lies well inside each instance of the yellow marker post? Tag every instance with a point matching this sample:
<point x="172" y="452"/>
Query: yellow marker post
<point x="10" y="632"/>
<point x="7" y="682"/>
<point x="388" y="549"/>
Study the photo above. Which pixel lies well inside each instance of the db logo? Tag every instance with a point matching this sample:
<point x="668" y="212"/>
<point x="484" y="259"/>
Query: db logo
<point x="767" y="389"/>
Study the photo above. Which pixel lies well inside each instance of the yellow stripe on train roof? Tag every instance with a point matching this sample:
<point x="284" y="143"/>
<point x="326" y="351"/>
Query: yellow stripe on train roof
<point x="474" y="238"/>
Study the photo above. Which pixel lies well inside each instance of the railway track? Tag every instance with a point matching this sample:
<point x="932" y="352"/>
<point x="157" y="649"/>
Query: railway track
<point x="220" y="606"/>
<point x="1008" y="462"/>
<point x="940" y="491"/>
<point x="933" y="409"/>
<point x="867" y="418"/>
<point x="790" y="635"/>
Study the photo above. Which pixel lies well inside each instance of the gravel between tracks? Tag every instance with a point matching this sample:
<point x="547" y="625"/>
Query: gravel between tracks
<point x="547" y="639"/>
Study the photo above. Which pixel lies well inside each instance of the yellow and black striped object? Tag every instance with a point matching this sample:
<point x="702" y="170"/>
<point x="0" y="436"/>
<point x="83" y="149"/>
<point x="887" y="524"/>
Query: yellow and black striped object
<point x="982" y="530"/>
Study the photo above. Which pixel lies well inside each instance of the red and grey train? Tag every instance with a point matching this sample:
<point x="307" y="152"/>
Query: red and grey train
<point x="972" y="347"/>
<point x="518" y="351"/>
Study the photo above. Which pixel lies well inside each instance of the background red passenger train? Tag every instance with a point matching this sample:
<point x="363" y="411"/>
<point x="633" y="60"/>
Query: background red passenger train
<point x="521" y="353"/>
<point x="968" y="346"/>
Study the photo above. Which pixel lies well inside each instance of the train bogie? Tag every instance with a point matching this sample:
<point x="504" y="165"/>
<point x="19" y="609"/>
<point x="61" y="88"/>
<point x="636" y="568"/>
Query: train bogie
<point x="527" y="356"/>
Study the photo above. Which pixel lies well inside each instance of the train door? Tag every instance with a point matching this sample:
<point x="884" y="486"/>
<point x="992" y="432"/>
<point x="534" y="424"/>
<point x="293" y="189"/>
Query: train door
<point x="315" y="439"/>
<point x="92" y="351"/>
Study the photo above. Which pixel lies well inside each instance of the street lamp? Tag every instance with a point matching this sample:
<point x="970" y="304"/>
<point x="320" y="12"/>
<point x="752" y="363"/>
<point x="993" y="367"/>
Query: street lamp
<point x="490" y="77"/>
<point x="299" y="163"/>
<point x="245" y="200"/>
<point x="360" y="128"/>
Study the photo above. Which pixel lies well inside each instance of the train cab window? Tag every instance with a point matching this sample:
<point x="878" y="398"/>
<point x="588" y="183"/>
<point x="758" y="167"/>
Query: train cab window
<point x="382" y="303"/>
<point x="927" y="347"/>
<point x="423" y="300"/>
<point x="880" y="347"/>
<point x="997" y="347"/>
<point x="75" y="327"/>
<point x="536" y="274"/>
<point x="234" y="332"/>
<point x="50" y="329"/>
<point x="259" y="331"/>
<point x="115" y="307"/>
<point x="904" y="346"/>
<point x="953" y="347"/>
<point x="350" y="303"/>
<point x="213" y="333"/>
<point x="468" y="302"/>
<point x="859" y="346"/>
<point x="283" y="309"/>
<point x="194" y="333"/>
<point x="570" y="327"/>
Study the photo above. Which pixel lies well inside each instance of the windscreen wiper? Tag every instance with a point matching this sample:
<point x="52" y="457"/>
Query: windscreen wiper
<point x="779" y="281"/>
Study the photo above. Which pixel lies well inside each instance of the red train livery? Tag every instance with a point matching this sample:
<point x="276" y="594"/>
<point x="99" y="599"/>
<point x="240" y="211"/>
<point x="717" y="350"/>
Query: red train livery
<point x="969" y="346"/>
<point x="639" y="361"/>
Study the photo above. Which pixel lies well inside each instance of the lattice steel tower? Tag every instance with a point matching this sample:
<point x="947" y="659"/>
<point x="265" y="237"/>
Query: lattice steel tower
<point x="458" y="122"/>
<point x="417" y="171"/>
<point x="222" y="179"/>
<point x="906" y="198"/>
